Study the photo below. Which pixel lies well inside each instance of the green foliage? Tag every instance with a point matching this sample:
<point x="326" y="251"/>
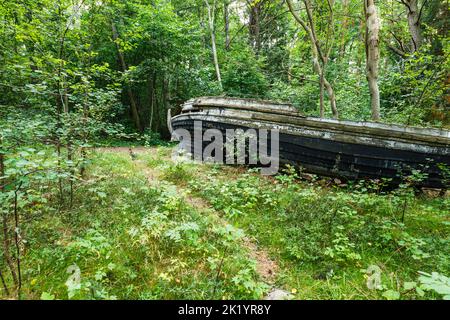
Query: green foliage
<point x="177" y="172"/>
<point x="435" y="282"/>
<point x="129" y="240"/>
<point x="332" y="233"/>
<point x="413" y="91"/>
<point x="243" y="76"/>
<point x="69" y="83"/>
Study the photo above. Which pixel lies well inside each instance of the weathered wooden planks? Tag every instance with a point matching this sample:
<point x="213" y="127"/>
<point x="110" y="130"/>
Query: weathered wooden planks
<point x="240" y="104"/>
<point x="353" y="150"/>
<point x="287" y="114"/>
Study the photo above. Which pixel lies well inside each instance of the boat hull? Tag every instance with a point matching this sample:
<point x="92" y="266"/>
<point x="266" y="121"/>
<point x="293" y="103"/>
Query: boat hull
<point x="343" y="159"/>
<point x="344" y="149"/>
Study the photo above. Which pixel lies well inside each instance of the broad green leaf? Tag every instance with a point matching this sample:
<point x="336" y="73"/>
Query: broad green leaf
<point x="391" y="295"/>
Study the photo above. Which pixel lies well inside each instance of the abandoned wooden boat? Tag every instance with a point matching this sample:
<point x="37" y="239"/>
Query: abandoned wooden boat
<point x="345" y="149"/>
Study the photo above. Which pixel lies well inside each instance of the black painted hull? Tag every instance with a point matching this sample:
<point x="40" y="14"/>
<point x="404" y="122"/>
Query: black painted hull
<point x="345" y="149"/>
<point x="343" y="159"/>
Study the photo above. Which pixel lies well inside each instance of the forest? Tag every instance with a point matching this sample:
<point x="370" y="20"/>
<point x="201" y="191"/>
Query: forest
<point x="93" y="206"/>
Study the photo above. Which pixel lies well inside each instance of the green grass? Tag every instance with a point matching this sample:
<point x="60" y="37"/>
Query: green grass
<point x="325" y="238"/>
<point x="131" y="238"/>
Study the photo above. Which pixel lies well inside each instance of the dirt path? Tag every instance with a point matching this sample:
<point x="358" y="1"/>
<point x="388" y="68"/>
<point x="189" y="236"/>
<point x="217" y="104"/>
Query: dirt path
<point x="265" y="266"/>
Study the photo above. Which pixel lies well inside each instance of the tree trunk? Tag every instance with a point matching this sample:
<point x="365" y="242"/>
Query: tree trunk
<point x="166" y="98"/>
<point x="2" y="167"/>
<point x="213" y="40"/>
<point x="151" y="95"/>
<point x="157" y="83"/>
<point x="62" y="88"/>
<point x="332" y="98"/>
<point x="17" y="242"/>
<point x="413" y="14"/>
<point x="226" y="18"/>
<point x="321" y="98"/>
<point x="254" y="27"/>
<point x="6" y="248"/>
<point x="316" y="53"/>
<point x="372" y="56"/>
<point x="134" y="108"/>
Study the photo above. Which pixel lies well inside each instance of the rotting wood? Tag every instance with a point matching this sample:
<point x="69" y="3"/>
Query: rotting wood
<point x="287" y="114"/>
<point x="347" y="149"/>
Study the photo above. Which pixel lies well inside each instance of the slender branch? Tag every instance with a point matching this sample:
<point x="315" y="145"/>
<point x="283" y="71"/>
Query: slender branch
<point x="5" y="287"/>
<point x="402" y="47"/>
<point x="16" y="240"/>
<point x="396" y="50"/>
<point x="313" y="29"/>
<point x="406" y="4"/>
<point x="429" y="82"/>
<point x="420" y="11"/>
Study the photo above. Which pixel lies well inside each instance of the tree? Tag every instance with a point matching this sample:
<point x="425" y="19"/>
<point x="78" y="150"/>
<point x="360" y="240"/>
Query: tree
<point x="123" y="64"/>
<point x="211" y="17"/>
<point x="320" y="58"/>
<point x="414" y="15"/>
<point x="372" y="55"/>
<point x="226" y="22"/>
<point x="254" y="23"/>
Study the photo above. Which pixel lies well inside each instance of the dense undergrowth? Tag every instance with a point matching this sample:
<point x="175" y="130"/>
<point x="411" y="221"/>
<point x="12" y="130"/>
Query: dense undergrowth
<point x="126" y="239"/>
<point x="348" y="242"/>
<point x="76" y="75"/>
<point x="131" y="234"/>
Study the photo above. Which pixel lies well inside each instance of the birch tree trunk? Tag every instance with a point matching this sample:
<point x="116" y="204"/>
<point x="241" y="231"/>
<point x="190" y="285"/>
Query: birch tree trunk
<point x="372" y="56"/>
<point x="211" y="15"/>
